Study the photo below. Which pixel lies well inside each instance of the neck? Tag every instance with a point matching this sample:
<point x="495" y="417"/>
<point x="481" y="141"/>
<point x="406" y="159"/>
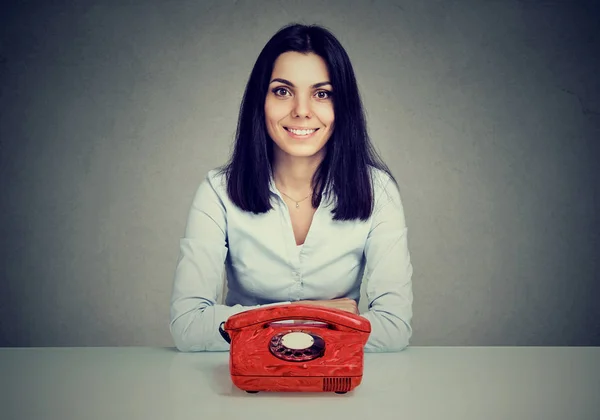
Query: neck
<point x="293" y="175"/>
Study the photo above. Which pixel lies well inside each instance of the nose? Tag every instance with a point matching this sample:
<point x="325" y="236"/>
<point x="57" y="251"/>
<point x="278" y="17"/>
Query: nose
<point x="302" y="107"/>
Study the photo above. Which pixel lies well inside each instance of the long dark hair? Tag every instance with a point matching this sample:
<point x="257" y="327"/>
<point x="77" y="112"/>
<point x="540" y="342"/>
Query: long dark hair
<point x="349" y="157"/>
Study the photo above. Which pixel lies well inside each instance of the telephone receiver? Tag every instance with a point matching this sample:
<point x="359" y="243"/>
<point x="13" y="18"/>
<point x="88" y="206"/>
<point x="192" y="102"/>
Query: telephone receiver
<point x="336" y="319"/>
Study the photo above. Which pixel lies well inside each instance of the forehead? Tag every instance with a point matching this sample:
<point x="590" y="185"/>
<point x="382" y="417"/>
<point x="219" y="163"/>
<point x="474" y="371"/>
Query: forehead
<point x="300" y="69"/>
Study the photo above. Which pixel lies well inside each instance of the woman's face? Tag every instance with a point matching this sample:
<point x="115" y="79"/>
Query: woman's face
<point x="299" y="105"/>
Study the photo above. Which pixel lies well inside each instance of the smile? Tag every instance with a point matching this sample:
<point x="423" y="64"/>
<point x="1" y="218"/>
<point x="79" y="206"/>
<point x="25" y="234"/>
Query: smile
<point x="301" y="133"/>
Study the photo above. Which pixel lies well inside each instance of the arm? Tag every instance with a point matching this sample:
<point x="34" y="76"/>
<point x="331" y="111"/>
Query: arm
<point x="388" y="275"/>
<point x="198" y="282"/>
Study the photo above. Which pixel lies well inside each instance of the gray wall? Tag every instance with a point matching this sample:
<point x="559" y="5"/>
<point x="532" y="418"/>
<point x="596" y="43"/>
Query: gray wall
<point x="487" y="112"/>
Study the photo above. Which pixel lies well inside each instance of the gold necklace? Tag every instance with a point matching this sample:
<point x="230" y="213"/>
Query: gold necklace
<point x="297" y="202"/>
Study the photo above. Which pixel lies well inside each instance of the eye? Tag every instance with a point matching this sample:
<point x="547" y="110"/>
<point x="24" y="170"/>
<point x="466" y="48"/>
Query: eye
<point x="280" y="91"/>
<point x="324" y="94"/>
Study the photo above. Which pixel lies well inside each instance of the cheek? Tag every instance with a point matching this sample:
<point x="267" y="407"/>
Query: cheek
<point x="328" y="117"/>
<point x="274" y="110"/>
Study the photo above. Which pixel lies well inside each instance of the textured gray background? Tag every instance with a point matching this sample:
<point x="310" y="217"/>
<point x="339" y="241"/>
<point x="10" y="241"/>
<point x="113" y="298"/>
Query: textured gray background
<point x="488" y="113"/>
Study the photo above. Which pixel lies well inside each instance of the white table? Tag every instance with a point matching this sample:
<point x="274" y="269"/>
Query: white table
<point x="418" y="383"/>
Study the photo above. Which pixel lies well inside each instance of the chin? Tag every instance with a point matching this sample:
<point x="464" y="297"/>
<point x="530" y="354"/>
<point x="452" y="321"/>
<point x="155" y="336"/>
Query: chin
<point x="301" y="149"/>
<point x="303" y="152"/>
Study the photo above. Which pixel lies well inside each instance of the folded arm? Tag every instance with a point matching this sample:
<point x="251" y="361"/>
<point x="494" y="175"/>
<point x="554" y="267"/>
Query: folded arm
<point x="388" y="276"/>
<point x="198" y="284"/>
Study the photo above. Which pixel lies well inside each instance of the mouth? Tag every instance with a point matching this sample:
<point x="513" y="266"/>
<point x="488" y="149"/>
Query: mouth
<point x="301" y="133"/>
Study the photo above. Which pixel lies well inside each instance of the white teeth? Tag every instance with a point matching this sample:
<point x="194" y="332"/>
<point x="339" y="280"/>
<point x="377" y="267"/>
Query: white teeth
<point x="301" y="132"/>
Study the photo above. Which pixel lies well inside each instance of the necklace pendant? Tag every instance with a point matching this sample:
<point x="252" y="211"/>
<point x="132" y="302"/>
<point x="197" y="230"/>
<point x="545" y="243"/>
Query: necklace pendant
<point x="297" y="205"/>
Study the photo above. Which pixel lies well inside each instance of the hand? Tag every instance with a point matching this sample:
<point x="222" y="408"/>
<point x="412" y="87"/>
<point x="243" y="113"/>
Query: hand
<point x="345" y="304"/>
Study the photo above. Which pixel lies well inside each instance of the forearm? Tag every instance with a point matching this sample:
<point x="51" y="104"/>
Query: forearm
<point x="197" y="328"/>
<point x="389" y="332"/>
<point x="390" y="296"/>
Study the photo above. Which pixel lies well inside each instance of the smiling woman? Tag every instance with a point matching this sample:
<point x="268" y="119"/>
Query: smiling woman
<point x="305" y="210"/>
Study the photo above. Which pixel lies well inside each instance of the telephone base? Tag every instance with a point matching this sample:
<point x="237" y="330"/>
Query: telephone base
<point x="254" y="384"/>
<point x="337" y="392"/>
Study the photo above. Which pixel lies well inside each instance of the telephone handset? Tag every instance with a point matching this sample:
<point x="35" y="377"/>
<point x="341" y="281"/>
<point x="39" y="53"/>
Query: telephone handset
<point x="269" y="354"/>
<point x="334" y="318"/>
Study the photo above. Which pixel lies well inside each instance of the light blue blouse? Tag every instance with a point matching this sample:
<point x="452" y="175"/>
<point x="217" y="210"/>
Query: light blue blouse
<point x="264" y="266"/>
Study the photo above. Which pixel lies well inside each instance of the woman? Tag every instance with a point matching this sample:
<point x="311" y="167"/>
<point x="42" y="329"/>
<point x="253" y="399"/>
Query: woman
<point x="303" y="209"/>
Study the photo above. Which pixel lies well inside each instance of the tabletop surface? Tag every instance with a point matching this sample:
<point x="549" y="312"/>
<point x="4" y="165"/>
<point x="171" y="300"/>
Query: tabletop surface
<point x="417" y="383"/>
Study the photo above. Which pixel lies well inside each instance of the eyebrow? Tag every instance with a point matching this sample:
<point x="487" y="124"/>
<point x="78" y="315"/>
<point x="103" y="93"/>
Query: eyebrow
<point x="290" y="84"/>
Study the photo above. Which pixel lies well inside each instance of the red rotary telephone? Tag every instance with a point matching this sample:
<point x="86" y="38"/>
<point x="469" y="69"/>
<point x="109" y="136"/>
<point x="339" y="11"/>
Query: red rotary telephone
<point x="296" y="347"/>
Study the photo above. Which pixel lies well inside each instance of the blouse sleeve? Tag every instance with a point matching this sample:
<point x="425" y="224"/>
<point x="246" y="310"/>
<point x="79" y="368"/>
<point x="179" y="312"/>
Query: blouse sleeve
<point x="195" y="313"/>
<point x="388" y="275"/>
